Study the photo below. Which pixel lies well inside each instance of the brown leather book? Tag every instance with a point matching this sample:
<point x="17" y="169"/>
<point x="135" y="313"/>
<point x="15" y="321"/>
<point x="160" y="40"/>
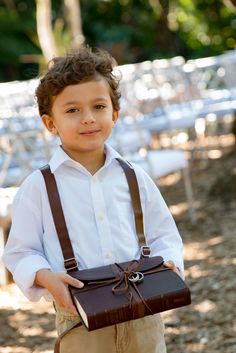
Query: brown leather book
<point x="115" y="293"/>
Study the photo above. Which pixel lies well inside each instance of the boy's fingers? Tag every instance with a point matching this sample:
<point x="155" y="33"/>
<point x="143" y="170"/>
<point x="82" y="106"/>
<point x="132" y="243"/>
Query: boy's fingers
<point x="73" y="311"/>
<point x="71" y="308"/>
<point x="169" y="264"/>
<point x="67" y="305"/>
<point x="74" y="282"/>
<point x="172" y="266"/>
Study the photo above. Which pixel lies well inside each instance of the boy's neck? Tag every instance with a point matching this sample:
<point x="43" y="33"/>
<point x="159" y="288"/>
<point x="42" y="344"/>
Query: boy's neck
<point x="93" y="165"/>
<point x="90" y="161"/>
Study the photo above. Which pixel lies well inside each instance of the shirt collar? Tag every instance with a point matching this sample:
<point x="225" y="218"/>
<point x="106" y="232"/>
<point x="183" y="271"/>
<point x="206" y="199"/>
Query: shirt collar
<point x="60" y="157"/>
<point x="111" y="154"/>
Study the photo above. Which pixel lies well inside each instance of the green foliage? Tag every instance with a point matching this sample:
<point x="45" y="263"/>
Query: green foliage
<point x="17" y="28"/>
<point x="133" y="30"/>
<point x="206" y="26"/>
<point x="128" y="28"/>
<point x="142" y="29"/>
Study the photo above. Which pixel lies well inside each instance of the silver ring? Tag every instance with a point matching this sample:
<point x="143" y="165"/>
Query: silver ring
<point x="136" y="277"/>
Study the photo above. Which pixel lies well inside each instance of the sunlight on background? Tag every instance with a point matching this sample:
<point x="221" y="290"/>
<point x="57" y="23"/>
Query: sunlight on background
<point x="205" y="306"/>
<point x="179" y="208"/>
<point x="22" y="350"/>
<point x="215" y="154"/>
<point x="11" y="297"/>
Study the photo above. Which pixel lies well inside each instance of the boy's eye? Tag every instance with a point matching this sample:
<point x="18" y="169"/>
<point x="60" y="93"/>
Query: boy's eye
<point x="72" y="110"/>
<point x="100" y="106"/>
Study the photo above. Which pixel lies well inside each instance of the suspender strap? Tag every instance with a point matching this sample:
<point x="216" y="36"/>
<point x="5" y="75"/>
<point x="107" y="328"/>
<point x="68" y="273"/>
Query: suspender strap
<point x="135" y="197"/>
<point x="70" y="262"/>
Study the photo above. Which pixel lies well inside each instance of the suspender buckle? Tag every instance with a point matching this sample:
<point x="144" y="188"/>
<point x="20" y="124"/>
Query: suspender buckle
<point x="145" y="251"/>
<point x="71" y="264"/>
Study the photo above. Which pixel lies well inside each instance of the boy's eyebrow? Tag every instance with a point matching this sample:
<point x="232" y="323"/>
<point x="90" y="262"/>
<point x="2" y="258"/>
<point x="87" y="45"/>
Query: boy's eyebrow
<point x="104" y="99"/>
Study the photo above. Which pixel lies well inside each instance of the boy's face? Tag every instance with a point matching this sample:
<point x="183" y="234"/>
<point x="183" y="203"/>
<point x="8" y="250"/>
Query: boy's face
<point x="83" y="117"/>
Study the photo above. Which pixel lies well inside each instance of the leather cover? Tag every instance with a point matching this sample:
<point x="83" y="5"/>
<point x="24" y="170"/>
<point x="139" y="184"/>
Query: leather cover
<point x="109" y="297"/>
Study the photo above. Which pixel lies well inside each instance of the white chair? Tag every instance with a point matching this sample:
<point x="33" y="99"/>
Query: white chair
<point x="140" y="97"/>
<point x="24" y="146"/>
<point x="134" y="143"/>
<point x="6" y="200"/>
<point x="155" y="93"/>
<point x="214" y="82"/>
<point x="174" y="93"/>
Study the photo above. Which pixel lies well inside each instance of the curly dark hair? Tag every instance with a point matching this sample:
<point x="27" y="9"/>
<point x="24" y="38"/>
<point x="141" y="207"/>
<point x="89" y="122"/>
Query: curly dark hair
<point x="81" y="65"/>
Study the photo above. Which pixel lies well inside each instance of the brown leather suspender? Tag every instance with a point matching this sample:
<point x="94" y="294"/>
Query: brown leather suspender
<point x="136" y="203"/>
<point x="70" y="262"/>
<point x="59" y="219"/>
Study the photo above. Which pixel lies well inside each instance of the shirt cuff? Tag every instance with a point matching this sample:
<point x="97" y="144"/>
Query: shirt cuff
<point x="24" y="276"/>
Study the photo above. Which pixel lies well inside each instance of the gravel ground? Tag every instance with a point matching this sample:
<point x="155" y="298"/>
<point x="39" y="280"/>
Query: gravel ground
<point x="208" y="325"/>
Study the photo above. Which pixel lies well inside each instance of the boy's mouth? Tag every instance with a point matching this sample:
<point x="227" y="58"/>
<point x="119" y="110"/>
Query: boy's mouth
<point x="89" y="132"/>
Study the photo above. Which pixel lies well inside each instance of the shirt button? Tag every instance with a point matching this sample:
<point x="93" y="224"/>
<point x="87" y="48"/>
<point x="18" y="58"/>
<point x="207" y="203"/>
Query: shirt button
<point x="109" y="255"/>
<point x="100" y="217"/>
<point x="94" y="179"/>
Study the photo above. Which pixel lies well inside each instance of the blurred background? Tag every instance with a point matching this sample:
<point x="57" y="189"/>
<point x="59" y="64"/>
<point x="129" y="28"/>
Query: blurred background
<point x="132" y="31"/>
<point x="177" y="63"/>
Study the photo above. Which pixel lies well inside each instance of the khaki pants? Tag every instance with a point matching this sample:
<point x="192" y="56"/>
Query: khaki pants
<point x="144" y="335"/>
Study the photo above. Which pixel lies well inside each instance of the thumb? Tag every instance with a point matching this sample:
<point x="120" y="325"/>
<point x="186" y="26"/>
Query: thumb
<point x="74" y="282"/>
<point x="169" y="264"/>
<point x="172" y="266"/>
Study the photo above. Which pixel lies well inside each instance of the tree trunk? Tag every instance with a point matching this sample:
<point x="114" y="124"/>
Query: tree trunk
<point x="44" y="29"/>
<point x="75" y="22"/>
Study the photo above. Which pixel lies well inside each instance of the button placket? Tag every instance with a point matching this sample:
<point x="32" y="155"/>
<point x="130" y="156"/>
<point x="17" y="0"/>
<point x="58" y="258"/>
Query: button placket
<point x="104" y="232"/>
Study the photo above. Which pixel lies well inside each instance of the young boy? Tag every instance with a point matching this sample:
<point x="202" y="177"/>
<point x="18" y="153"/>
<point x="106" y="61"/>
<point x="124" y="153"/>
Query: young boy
<point x="78" y="101"/>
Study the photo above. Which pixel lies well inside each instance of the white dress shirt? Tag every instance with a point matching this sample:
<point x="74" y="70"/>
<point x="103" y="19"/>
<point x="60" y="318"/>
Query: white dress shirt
<point x="99" y="218"/>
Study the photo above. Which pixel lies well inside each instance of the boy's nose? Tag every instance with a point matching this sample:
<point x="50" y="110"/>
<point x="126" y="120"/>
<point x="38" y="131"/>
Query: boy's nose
<point x="87" y="117"/>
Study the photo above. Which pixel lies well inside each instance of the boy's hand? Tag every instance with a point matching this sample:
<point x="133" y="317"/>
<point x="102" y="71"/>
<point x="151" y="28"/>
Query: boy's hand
<point x="57" y="284"/>
<point x="171" y="265"/>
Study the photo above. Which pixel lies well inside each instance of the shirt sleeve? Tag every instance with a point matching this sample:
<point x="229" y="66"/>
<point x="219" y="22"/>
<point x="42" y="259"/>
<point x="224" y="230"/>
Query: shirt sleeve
<point x="24" y="252"/>
<point x="160" y="229"/>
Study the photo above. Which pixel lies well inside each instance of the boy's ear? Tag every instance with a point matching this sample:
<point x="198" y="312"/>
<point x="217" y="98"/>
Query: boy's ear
<point x="49" y="124"/>
<point x="115" y="116"/>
